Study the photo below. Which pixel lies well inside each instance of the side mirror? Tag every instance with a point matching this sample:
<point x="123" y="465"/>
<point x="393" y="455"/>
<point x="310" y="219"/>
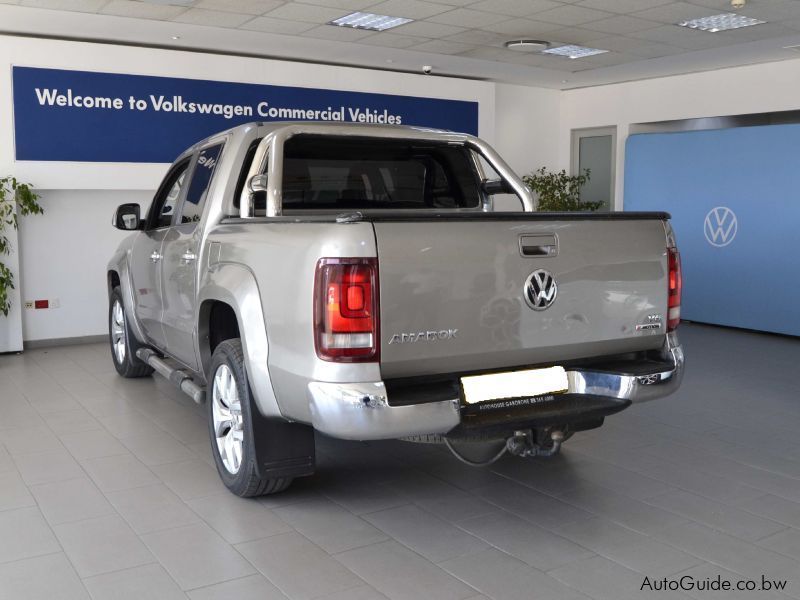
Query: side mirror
<point x="497" y="186"/>
<point x="127" y="217"/>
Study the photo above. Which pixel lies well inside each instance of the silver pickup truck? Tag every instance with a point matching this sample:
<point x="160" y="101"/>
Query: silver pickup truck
<point x="356" y="280"/>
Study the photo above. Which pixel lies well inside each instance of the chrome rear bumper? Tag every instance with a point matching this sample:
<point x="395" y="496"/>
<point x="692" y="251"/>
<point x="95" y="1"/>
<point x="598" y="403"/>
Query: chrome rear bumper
<point x="361" y="411"/>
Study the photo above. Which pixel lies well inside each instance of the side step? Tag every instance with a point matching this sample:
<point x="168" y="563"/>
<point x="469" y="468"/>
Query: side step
<point x="181" y="379"/>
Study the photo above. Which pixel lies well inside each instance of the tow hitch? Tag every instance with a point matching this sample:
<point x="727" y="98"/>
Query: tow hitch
<point x="523" y="443"/>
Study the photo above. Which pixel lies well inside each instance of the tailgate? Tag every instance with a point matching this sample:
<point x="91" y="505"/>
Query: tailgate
<point x="452" y="292"/>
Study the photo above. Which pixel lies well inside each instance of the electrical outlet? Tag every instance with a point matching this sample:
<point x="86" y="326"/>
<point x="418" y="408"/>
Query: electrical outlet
<point x="29" y="304"/>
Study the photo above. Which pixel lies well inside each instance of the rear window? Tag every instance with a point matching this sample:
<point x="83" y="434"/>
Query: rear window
<point x="345" y="173"/>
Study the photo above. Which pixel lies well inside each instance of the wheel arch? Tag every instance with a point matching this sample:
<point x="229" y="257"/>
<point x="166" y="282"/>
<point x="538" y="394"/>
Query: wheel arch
<point x="230" y="302"/>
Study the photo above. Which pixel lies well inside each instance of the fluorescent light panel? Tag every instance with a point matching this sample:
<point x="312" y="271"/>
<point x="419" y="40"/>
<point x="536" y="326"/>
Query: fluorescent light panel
<point x="723" y="22"/>
<point x="572" y="51"/>
<point x="363" y="20"/>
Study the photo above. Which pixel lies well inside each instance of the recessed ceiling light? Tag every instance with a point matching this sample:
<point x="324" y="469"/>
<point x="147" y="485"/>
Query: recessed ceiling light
<point x="527" y="45"/>
<point x="572" y="51"/>
<point x="176" y="37"/>
<point x="722" y="22"/>
<point x="362" y="20"/>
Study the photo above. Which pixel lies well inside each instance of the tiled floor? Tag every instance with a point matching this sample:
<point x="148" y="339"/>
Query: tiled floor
<point x="108" y="490"/>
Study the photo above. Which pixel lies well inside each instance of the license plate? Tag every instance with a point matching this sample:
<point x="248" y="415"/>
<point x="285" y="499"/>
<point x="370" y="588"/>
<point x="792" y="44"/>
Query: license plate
<point x="515" y="384"/>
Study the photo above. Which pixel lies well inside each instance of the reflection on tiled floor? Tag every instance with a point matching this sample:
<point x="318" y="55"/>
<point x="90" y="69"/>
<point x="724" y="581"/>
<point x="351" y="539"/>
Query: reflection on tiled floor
<point x="108" y="490"/>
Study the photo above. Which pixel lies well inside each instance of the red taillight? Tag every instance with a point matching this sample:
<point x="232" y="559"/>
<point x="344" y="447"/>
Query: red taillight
<point x="674" y="291"/>
<point x="346" y="309"/>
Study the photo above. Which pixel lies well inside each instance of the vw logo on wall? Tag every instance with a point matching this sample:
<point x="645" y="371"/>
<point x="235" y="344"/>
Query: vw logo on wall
<point x="540" y="290"/>
<point x="720" y="226"/>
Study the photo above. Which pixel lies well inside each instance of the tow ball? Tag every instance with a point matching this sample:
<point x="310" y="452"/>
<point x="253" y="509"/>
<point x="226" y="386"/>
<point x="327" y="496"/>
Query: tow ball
<point x="523" y="443"/>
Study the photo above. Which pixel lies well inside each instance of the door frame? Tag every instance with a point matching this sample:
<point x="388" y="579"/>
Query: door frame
<point x="574" y="160"/>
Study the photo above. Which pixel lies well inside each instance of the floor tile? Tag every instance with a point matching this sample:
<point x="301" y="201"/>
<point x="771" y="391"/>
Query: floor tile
<point x="402" y="574"/>
<point x="152" y="508"/>
<point x="139" y="583"/>
<point x="13" y="492"/>
<point x="330" y="526"/>
<point x="786" y="542"/>
<point x="190" y="478"/>
<point x="502" y="577"/>
<point x="299" y="568"/>
<point x="44" y="467"/>
<point x="71" y="500"/>
<point x="24" y="533"/>
<point x="252" y="587"/>
<point x="120" y="472"/>
<point x="71" y="421"/>
<point x="196" y="556"/>
<point x="102" y="545"/>
<point x="525" y="541"/>
<point x="425" y="533"/>
<point x="603" y="579"/>
<point x="238" y="519"/>
<point x="43" y="578"/>
<point x="92" y="444"/>
<point x="157" y="449"/>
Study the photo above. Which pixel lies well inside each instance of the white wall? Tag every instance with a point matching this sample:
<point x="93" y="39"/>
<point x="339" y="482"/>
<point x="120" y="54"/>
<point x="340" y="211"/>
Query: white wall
<point x="64" y="252"/>
<point x="527" y="126"/>
<point x="752" y="89"/>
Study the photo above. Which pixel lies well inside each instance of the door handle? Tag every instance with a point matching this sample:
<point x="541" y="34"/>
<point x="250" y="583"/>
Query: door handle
<point x="188" y="257"/>
<point x="155" y="256"/>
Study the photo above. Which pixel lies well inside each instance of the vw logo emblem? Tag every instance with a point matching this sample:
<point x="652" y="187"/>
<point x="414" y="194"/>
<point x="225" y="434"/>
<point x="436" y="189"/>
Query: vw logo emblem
<point x="720" y="226"/>
<point x="540" y="290"/>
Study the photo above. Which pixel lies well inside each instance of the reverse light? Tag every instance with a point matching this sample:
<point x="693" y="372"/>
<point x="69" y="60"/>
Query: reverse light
<point x="346" y="309"/>
<point x="675" y="286"/>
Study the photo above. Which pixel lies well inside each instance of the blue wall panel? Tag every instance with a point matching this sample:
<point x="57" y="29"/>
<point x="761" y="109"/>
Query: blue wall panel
<point x="152" y="119"/>
<point x="734" y="195"/>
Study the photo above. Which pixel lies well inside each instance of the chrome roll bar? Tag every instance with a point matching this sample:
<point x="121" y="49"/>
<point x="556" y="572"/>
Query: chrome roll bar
<point x="269" y="158"/>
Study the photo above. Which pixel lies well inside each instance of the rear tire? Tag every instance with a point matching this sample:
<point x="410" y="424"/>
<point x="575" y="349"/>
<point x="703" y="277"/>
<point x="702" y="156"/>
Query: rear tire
<point x="229" y="421"/>
<point x="123" y="343"/>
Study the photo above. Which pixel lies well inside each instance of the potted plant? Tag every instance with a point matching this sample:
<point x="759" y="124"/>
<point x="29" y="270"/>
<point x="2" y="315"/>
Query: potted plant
<point x="16" y="198"/>
<point x="557" y="191"/>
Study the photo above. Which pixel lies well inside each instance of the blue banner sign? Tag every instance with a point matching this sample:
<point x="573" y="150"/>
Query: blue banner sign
<point x="64" y="115"/>
<point x="733" y="195"/>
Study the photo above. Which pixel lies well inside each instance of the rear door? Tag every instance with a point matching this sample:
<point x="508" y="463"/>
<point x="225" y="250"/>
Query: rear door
<point x="181" y="252"/>
<point x="485" y="292"/>
<point x="146" y="254"/>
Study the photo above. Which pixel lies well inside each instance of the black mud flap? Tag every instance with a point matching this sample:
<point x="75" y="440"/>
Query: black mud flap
<point x="283" y="449"/>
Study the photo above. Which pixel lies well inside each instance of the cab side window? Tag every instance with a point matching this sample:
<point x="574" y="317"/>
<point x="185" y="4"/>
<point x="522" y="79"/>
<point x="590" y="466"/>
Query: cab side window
<point x="195" y="200"/>
<point x="166" y="200"/>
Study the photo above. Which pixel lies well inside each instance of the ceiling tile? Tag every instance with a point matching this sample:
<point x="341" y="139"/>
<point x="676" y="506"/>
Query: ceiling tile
<point x="576" y="35"/>
<point x="609" y="59"/>
<point x="247" y="7"/>
<point x="622" y="6"/>
<point x="514" y="8"/>
<point x="410" y="9"/>
<point x="464" y="17"/>
<point x="485" y="53"/>
<point x="427" y="29"/>
<point x="140" y="10"/>
<point x="213" y="18"/>
<point x="309" y="13"/>
<point x="681" y="37"/>
<point x="73" y="5"/>
<point x="572" y="15"/>
<point x="351" y="5"/>
<point x="675" y="12"/>
<point x="443" y="47"/>
<point x="765" y="31"/>
<point x="391" y="40"/>
<point x="621" y="25"/>
<point x="337" y="34"/>
<point x="657" y="51"/>
<point x="456" y="2"/>
<point x="282" y="26"/>
<point x="619" y="43"/>
<point x="479" y="37"/>
<point x="767" y="10"/>
<point x="521" y="28"/>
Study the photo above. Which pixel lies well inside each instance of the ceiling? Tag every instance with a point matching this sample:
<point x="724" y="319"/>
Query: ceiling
<point x="457" y="37"/>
